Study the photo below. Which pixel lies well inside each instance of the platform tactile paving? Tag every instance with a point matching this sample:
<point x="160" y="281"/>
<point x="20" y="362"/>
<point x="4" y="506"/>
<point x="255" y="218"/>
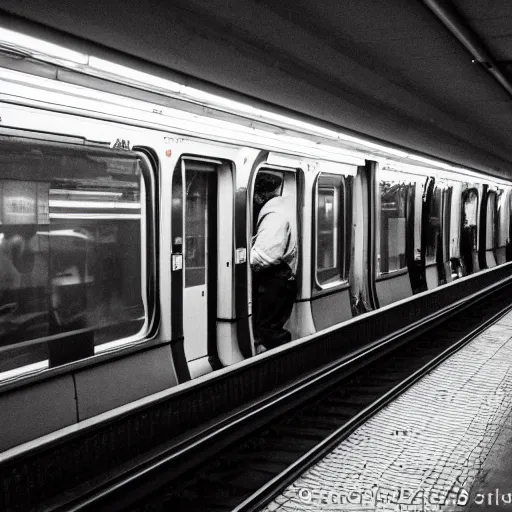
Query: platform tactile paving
<point x="424" y="450"/>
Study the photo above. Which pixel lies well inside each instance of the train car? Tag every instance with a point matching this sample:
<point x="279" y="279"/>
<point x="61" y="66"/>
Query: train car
<point x="126" y="222"/>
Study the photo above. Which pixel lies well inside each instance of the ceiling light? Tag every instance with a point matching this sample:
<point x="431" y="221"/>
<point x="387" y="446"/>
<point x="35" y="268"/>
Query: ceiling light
<point x="131" y="75"/>
<point x="39" y="48"/>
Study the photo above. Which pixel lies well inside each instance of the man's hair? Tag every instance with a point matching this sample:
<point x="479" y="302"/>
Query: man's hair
<point x="266" y="182"/>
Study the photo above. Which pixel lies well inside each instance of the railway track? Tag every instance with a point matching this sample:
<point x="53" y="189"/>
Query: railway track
<point x="250" y="472"/>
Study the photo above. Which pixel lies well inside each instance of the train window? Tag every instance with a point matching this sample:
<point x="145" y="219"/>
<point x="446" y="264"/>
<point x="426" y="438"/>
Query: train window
<point x="490" y="232"/>
<point x="196" y="219"/>
<point x="73" y="248"/>
<point x="393" y="209"/>
<point x="502" y="222"/>
<point x="433" y="227"/>
<point x="329" y="248"/>
<point x="469" y="216"/>
<point x="468" y="238"/>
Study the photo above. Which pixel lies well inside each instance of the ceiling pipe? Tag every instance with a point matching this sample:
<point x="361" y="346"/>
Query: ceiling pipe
<point x="454" y="22"/>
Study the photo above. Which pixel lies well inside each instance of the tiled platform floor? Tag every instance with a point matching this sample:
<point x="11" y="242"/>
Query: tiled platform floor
<point x="445" y="444"/>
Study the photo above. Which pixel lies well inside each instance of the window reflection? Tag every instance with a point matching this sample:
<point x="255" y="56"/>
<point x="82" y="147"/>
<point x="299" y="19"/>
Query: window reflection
<point x="468" y="239"/>
<point x="501" y="219"/>
<point x="393" y="207"/>
<point x="327" y="229"/>
<point x="433" y="227"/>
<point x="196" y="217"/>
<point x="70" y="243"/>
<point x="490" y="232"/>
<point x="330" y="216"/>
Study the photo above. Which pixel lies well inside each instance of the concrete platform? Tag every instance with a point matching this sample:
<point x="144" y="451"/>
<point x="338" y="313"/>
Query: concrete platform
<point x="445" y="444"/>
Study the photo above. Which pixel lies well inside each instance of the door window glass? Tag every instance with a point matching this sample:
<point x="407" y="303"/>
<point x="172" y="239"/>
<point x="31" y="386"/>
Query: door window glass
<point x="502" y="223"/>
<point x="196" y="223"/>
<point x="490" y="232"/>
<point x="329" y="229"/>
<point x="393" y="207"/>
<point x="468" y="236"/>
<point x="469" y="219"/>
<point x="433" y="227"/>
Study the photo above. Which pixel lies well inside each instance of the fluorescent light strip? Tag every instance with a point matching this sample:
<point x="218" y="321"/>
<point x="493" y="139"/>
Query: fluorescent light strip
<point x="40" y="48"/>
<point x="63" y="232"/>
<point x="133" y="75"/>
<point x="203" y="96"/>
<point x="299" y="124"/>
<point x="366" y="143"/>
<point x="18" y="84"/>
<point x="451" y="173"/>
<point x="57" y="191"/>
<point x="215" y="100"/>
<point x="431" y="162"/>
<point x="58" y="203"/>
<point x="95" y="216"/>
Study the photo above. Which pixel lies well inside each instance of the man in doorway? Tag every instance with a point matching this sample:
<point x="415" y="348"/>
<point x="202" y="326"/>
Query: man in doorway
<point x="273" y="259"/>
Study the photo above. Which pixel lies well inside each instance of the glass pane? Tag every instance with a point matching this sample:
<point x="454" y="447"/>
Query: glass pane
<point x="490" y="232"/>
<point x="469" y="221"/>
<point x="329" y="253"/>
<point x="70" y="242"/>
<point x="327" y="229"/>
<point x="433" y="227"/>
<point x="393" y="201"/>
<point x="501" y="220"/>
<point x="196" y="217"/>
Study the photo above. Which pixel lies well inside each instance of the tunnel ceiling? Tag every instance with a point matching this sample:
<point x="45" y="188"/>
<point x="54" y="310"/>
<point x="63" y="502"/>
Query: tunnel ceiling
<point x="388" y="69"/>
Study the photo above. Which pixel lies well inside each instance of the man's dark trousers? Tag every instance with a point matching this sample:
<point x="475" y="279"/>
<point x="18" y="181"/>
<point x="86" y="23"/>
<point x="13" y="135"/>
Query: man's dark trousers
<point x="275" y="290"/>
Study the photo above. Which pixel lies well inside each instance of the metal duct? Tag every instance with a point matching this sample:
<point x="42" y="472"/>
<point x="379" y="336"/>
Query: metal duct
<point x="452" y="20"/>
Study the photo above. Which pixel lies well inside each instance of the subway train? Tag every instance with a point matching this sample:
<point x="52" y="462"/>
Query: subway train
<point x="126" y="219"/>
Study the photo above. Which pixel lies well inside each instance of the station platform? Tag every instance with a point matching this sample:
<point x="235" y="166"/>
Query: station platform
<point x="445" y="444"/>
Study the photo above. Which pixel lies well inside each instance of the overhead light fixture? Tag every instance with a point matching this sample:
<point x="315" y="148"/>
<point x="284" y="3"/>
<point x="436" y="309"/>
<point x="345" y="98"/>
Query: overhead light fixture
<point x="39" y="48"/>
<point x="318" y="130"/>
<point x="431" y="162"/>
<point x="215" y="100"/>
<point x="130" y="75"/>
<point x="373" y="145"/>
<point x="265" y="115"/>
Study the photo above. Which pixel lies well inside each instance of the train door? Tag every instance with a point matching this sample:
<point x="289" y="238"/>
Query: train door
<point x="489" y="245"/>
<point x="507" y="224"/>
<point x="503" y="226"/>
<point x="454" y="270"/>
<point x="398" y="209"/>
<point x="200" y="179"/>
<point x="446" y="269"/>
<point x="332" y="247"/>
<point x="468" y="232"/>
<point x="436" y="218"/>
<point x="286" y="186"/>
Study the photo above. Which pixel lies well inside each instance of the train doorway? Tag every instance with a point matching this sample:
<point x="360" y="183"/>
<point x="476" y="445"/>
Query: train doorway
<point x="284" y="181"/>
